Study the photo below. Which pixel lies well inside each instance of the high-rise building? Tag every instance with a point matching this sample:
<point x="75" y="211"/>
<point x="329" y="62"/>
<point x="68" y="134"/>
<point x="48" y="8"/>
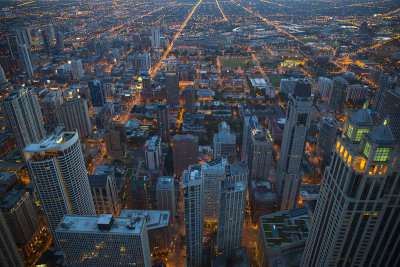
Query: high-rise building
<point x="338" y="94"/>
<point x="114" y="145"/>
<point x="23" y="35"/>
<point x="97" y="94"/>
<point x="153" y="153"/>
<point x="20" y="214"/>
<point x="75" y="116"/>
<point x="24" y="56"/>
<point x="327" y="138"/>
<point x="155" y="38"/>
<point x="172" y="87"/>
<point x="77" y="69"/>
<point x="104" y="241"/>
<point x="163" y="121"/>
<point x="105" y="194"/>
<point x="298" y="119"/>
<point x="224" y="143"/>
<point x="50" y="30"/>
<point x="190" y="97"/>
<point x="185" y="152"/>
<point x="51" y="105"/>
<point x="9" y="254"/>
<point x="192" y="185"/>
<point x="165" y="194"/>
<point x="145" y="60"/>
<point x="24" y="117"/>
<point x="3" y="78"/>
<point x="59" y="40"/>
<point x="357" y="213"/>
<point x="46" y="41"/>
<point x="57" y="167"/>
<point x="262" y="199"/>
<point x="387" y="104"/>
<point x="287" y="85"/>
<point x="324" y="87"/>
<point x="232" y="205"/>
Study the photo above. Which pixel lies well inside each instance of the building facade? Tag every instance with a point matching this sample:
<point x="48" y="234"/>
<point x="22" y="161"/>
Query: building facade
<point x="185" y="152"/>
<point x="75" y="116"/>
<point x="224" y="143"/>
<point x="105" y="194"/>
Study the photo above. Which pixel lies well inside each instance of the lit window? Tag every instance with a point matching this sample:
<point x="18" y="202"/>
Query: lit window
<point x="337" y="146"/>
<point x="359" y="134"/>
<point x="367" y="149"/>
<point x="383" y="169"/>
<point x="349" y="131"/>
<point x="341" y="150"/>
<point x="382" y="154"/>
<point x="349" y="161"/>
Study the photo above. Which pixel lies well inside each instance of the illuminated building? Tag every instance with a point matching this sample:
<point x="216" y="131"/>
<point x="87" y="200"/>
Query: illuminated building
<point x="9" y="254"/>
<point x="105" y="195"/>
<point x="57" y="167"/>
<point x="22" y="111"/>
<point x="298" y="119"/>
<point x="104" y="241"/>
<point x="155" y="38"/>
<point x="232" y="205"/>
<point x="185" y="152"/>
<point x="357" y="212"/>
<point x="224" y="143"/>
<point x="75" y="116"/>
<point x="51" y="105"/>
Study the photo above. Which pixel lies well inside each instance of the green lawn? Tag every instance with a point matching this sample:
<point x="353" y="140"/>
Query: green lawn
<point x="275" y="80"/>
<point x="235" y="63"/>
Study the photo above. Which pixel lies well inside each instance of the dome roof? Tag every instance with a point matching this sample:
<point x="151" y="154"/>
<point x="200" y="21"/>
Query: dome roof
<point x="362" y="118"/>
<point x="382" y="135"/>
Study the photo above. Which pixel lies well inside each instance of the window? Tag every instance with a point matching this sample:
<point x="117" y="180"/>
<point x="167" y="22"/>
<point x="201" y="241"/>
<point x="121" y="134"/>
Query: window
<point x="367" y="149"/>
<point x="359" y="134"/>
<point x="349" y="131"/>
<point x="382" y="154"/>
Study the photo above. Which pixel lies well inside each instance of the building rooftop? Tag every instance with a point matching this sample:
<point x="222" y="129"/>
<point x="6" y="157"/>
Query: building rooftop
<point x="362" y="118"/>
<point x="154" y="218"/>
<point x="232" y="187"/>
<point x="218" y="163"/>
<point x="382" y="135"/>
<point x="54" y="142"/>
<point x="263" y="191"/>
<point x="303" y="88"/>
<point x="239" y="168"/>
<point x="99" y="180"/>
<point x="11" y="199"/>
<point x="165" y="183"/>
<point x="153" y="142"/>
<point x="103" y="224"/>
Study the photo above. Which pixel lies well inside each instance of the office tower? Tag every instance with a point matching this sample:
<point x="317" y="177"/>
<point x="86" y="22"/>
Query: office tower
<point x="23" y="36"/>
<point x="260" y="152"/>
<point x="246" y="136"/>
<point x="19" y="212"/>
<point x="327" y="138"/>
<point x="356" y="93"/>
<point x="51" y="105"/>
<point x="26" y="60"/>
<point x="3" y="77"/>
<point x="104" y="241"/>
<point x="172" y="87"/>
<point x="287" y="85"/>
<point x="324" y="87"/>
<point x="155" y="38"/>
<point x="282" y="236"/>
<point x="105" y="194"/>
<point x="165" y="194"/>
<point x="224" y="143"/>
<point x="97" y="94"/>
<point x="51" y="32"/>
<point x="192" y="185"/>
<point x="190" y="98"/>
<point x="357" y="214"/>
<point x="298" y="119"/>
<point x="75" y="116"/>
<point x="262" y="199"/>
<point x="145" y="60"/>
<point x="22" y="111"/>
<point x="77" y="69"/>
<point x="375" y="75"/>
<point x="46" y="41"/>
<point x="232" y="205"/>
<point x="153" y="153"/>
<point x="158" y="227"/>
<point x="9" y="254"/>
<point x="338" y="94"/>
<point x="163" y="121"/>
<point x="105" y="46"/>
<point x="114" y="145"/>
<point x="387" y="104"/>
<point x="59" y="40"/>
<point x="143" y="192"/>
<point x="146" y="83"/>
<point x="57" y="167"/>
<point x="185" y="152"/>
<point x="97" y="46"/>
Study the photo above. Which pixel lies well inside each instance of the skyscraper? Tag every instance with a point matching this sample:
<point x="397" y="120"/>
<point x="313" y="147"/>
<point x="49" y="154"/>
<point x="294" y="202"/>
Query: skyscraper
<point x="155" y="38"/>
<point x="9" y="254"/>
<point x="153" y="153"/>
<point x="51" y="105"/>
<point x="23" y="114"/>
<point x="225" y="143"/>
<point x="3" y="78"/>
<point x="104" y="241"/>
<point x="232" y="205"/>
<point x="25" y="59"/>
<point x="114" y="145"/>
<point x="75" y="116"/>
<point x="163" y="121"/>
<point x="172" y="87"/>
<point x="192" y="185"/>
<point x="190" y="98"/>
<point x="298" y="119"/>
<point x="338" y="93"/>
<point x="145" y="62"/>
<point x="57" y="167"/>
<point x="185" y="152"/>
<point x="327" y="137"/>
<point x="165" y="194"/>
<point x="76" y="69"/>
<point x="46" y="41"/>
<point x="324" y="87"/>
<point x="59" y="40"/>
<point x="105" y="194"/>
<point x="357" y="214"/>
<point x="97" y="94"/>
